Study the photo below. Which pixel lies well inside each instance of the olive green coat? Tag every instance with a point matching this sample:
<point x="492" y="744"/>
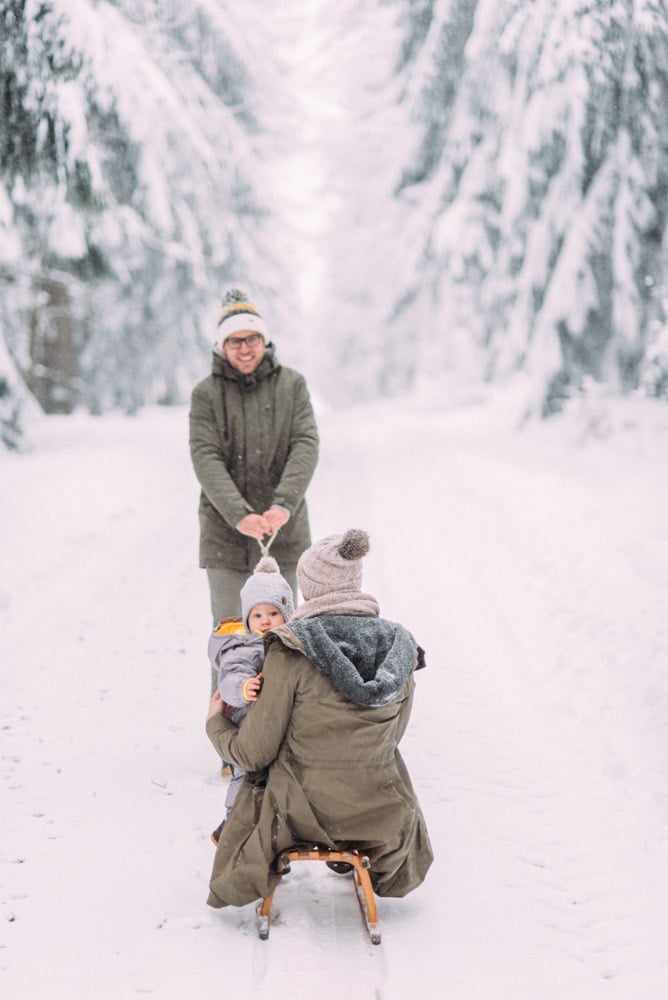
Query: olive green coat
<point x="335" y="778"/>
<point x="253" y="444"/>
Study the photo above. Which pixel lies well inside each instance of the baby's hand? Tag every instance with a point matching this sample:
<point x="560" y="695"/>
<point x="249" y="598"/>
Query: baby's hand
<point x="252" y="688"/>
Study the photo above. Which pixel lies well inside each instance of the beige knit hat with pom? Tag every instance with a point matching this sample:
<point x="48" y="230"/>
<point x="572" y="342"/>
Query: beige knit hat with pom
<point x="333" y="564"/>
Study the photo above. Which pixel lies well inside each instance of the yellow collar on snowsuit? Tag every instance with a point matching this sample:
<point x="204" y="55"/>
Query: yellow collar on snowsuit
<point x="230" y="626"/>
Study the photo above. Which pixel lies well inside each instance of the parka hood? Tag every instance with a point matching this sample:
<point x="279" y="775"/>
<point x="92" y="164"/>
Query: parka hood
<point x="368" y="660"/>
<point x="224" y="642"/>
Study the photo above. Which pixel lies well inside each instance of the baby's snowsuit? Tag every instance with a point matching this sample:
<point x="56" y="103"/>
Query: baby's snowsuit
<point x="236" y="656"/>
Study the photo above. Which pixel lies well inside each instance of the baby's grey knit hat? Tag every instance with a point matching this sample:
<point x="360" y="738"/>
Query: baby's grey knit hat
<point x="267" y="586"/>
<point x="333" y="564"/>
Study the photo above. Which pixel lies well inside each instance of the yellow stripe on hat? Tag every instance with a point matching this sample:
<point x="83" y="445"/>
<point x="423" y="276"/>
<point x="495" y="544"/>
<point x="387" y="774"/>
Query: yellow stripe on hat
<point x="237" y="309"/>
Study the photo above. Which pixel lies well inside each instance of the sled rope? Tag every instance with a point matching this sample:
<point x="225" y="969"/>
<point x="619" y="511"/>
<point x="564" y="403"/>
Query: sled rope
<point x="265" y="546"/>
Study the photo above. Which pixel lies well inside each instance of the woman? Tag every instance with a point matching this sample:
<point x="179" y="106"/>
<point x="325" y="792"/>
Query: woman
<point x="337" y="694"/>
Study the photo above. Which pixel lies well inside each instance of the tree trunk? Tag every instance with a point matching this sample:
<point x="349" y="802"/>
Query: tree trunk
<point x="52" y="374"/>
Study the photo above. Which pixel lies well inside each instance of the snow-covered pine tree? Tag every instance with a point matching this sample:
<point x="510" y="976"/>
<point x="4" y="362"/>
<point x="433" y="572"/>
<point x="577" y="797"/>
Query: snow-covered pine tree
<point x="35" y="63"/>
<point x="145" y="198"/>
<point x="541" y="184"/>
<point x="350" y="138"/>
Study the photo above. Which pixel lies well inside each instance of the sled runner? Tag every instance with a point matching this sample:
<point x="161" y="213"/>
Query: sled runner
<point x="359" y="865"/>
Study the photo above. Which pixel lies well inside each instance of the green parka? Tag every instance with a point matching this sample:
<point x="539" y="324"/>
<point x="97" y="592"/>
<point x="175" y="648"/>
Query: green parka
<point x="335" y="776"/>
<point x="253" y="444"/>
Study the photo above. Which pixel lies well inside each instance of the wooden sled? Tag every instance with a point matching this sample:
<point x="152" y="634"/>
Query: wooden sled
<point x="360" y="873"/>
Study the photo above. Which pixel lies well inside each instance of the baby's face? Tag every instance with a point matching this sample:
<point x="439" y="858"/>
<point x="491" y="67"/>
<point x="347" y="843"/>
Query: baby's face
<point x="263" y="617"/>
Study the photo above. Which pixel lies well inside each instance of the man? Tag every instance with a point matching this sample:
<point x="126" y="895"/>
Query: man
<point x="254" y="448"/>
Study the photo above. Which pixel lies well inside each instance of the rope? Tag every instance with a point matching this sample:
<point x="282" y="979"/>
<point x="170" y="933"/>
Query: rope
<point x="265" y="546"/>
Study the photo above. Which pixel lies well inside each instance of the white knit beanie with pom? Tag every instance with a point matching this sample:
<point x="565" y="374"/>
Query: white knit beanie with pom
<point x="333" y="564"/>
<point x="238" y="315"/>
<point x="267" y="586"/>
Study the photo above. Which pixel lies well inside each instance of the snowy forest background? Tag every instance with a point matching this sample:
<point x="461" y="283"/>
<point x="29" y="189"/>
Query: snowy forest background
<point x="418" y="193"/>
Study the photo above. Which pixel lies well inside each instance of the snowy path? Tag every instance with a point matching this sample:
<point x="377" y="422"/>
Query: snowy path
<point x="534" y="573"/>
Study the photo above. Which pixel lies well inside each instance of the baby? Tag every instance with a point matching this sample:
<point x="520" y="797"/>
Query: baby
<point x="236" y="651"/>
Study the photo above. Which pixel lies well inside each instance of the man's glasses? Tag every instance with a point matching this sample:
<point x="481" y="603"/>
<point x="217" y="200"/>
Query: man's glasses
<point x="236" y="343"/>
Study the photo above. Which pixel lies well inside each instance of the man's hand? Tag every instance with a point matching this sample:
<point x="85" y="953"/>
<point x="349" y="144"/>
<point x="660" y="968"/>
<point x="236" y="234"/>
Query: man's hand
<point x="276" y="517"/>
<point x="255" y="526"/>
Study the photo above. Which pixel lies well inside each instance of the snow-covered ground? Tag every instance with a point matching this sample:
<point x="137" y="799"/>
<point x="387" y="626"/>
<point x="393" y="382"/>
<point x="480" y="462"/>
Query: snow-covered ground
<point x="532" y="566"/>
